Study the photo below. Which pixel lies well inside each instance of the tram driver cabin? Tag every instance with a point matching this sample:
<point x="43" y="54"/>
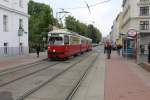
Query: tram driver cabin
<point x="62" y="44"/>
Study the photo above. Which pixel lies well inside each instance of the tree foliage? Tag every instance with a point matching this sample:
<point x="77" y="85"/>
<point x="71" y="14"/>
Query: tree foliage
<point x="83" y="29"/>
<point x="41" y="21"/>
<point x="41" y="18"/>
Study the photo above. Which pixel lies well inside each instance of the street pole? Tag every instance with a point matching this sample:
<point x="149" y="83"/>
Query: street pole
<point x="126" y="50"/>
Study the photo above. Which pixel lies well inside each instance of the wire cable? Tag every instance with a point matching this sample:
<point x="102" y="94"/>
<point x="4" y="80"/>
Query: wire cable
<point x="93" y="5"/>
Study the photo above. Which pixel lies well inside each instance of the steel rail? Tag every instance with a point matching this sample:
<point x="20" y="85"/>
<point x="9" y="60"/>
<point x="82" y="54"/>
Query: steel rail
<point x="20" y="67"/>
<point x="29" y="74"/>
<point x="26" y="94"/>
<point x="72" y="93"/>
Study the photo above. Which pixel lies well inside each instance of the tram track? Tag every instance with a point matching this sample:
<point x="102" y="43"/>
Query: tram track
<point x="3" y="87"/>
<point x="68" y="82"/>
<point x="20" y="67"/>
<point x="46" y="82"/>
<point x="5" y="81"/>
<point x="76" y="87"/>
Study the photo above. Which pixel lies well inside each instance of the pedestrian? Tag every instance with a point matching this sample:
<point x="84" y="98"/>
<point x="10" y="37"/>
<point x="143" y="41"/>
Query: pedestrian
<point x="38" y="50"/>
<point x="142" y="47"/>
<point x="119" y="48"/>
<point x="105" y="46"/>
<point x="108" y="49"/>
<point x="149" y="52"/>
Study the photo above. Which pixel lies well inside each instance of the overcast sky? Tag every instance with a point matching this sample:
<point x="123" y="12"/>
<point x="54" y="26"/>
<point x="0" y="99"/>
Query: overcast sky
<point x="103" y="14"/>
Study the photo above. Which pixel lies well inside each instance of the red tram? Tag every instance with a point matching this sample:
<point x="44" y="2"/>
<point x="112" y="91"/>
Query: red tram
<point x="63" y="43"/>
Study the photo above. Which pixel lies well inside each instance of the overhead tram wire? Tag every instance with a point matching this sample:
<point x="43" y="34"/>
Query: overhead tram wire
<point x="93" y="5"/>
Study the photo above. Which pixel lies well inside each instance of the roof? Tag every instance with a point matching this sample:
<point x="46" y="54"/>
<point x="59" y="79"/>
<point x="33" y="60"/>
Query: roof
<point x="66" y="31"/>
<point x="60" y="31"/>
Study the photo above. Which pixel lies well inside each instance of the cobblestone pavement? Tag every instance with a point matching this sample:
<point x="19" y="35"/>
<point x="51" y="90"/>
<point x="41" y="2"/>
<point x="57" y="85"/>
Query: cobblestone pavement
<point x="124" y="80"/>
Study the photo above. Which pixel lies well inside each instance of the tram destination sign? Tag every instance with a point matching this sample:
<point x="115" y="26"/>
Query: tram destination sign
<point x="55" y="34"/>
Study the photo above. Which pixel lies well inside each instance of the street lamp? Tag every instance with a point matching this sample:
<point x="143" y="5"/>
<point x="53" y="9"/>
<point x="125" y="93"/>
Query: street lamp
<point x="20" y="33"/>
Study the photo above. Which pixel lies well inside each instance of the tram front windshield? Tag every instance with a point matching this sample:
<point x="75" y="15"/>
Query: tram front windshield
<point x="55" y="41"/>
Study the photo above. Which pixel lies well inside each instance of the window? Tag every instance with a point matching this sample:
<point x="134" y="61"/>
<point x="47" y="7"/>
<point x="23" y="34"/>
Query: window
<point x="5" y="23"/>
<point x="144" y="0"/>
<point x="21" y="3"/>
<point x="144" y="25"/>
<point x="5" y="48"/>
<point x="144" y="11"/>
<point x="66" y="39"/>
<point x="55" y="41"/>
<point x="6" y="0"/>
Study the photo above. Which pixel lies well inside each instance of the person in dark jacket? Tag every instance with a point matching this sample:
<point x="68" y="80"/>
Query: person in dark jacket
<point x="108" y="49"/>
<point x="149" y="52"/>
<point x="38" y="50"/>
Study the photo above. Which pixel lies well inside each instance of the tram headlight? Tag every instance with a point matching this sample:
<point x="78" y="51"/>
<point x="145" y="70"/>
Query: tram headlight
<point x="54" y="50"/>
<point x="49" y="48"/>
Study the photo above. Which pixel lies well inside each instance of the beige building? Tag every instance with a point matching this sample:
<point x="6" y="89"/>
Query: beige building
<point x="116" y="29"/>
<point x="136" y="15"/>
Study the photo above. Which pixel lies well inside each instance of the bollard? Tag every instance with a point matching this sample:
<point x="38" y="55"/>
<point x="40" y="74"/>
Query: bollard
<point x="149" y="52"/>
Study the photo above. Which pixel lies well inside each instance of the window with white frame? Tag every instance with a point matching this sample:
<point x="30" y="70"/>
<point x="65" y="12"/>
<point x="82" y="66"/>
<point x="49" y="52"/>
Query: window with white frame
<point x="144" y="25"/>
<point x="5" y="23"/>
<point x="21" y="3"/>
<point x="144" y="11"/>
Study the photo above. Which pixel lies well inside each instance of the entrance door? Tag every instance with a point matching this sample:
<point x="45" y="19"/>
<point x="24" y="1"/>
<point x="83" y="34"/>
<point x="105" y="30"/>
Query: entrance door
<point x="5" y="48"/>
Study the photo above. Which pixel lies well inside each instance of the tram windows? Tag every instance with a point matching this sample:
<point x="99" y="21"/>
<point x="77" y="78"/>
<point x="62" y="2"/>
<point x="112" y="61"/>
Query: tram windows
<point x="56" y="41"/>
<point x="74" y="40"/>
<point x="66" y="39"/>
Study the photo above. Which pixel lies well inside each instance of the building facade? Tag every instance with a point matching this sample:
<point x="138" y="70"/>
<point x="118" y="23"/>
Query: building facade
<point x="136" y="15"/>
<point x="13" y="27"/>
<point x="116" y="30"/>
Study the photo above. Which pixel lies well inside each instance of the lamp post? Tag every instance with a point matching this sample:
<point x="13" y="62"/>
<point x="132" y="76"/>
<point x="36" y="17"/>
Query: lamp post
<point x="20" y="33"/>
<point x="122" y="42"/>
<point x="44" y="39"/>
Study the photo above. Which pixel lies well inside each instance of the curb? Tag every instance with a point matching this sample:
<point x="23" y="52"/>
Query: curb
<point x="146" y="66"/>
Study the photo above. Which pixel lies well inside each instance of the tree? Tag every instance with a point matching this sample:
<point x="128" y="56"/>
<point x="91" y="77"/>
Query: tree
<point x="41" y="18"/>
<point x="83" y="29"/>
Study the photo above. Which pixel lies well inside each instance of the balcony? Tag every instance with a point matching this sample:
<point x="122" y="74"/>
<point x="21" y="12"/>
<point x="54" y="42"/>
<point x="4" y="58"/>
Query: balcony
<point x="143" y="2"/>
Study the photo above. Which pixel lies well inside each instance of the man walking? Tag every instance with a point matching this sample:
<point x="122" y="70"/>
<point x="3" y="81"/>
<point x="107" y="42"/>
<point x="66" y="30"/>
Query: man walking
<point x="38" y="50"/>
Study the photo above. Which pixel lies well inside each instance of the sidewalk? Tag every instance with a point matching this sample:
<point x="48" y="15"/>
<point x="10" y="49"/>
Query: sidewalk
<point x="10" y="62"/>
<point x="92" y="87"/>
<point x="125" y="80"/>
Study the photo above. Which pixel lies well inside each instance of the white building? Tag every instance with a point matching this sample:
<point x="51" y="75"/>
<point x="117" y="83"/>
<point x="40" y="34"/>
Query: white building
<point x="13" y="27"/>
<point x="136" y="15"/>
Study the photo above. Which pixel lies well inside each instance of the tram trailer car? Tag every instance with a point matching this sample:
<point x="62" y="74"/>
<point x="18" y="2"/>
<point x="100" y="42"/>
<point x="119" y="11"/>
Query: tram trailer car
<point x="63" y="44"/>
